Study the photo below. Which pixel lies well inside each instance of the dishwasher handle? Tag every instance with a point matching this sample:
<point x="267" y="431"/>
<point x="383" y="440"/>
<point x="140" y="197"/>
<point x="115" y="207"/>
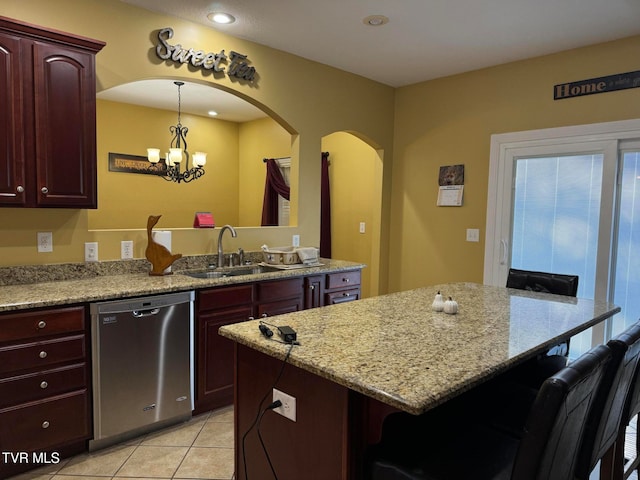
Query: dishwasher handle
<point x="145" y="313"/>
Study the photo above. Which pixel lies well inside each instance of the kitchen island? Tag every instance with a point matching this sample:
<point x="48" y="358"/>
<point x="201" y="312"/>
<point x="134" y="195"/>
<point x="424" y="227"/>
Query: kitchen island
<point x="358" y="361"/>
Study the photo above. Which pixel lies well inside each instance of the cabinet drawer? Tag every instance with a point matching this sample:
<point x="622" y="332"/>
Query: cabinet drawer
<point x="225" y="297"/>
<point x="277" y="289"/>
<point x="343" y="279"/>
<point x="342" y="297"/>
<point x="280" y="307"/>
<point x="42" y="354"/>
<point x="35" y="386"/>
<point x="40" y="425"/>
<point x="31" y="325"/>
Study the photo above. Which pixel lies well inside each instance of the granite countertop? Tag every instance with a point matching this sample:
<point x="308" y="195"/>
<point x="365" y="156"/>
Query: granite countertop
<point x="395" y="349"/>
<point x="94" y="286"/>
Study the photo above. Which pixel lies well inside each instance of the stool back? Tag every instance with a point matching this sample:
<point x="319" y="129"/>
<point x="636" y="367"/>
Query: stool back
<point x="607" y="414"/>
<point x="557" y="420"/>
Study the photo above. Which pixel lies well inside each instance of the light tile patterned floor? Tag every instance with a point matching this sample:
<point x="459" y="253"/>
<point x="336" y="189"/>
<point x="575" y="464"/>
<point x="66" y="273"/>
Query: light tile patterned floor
<point x="199" y="449"/>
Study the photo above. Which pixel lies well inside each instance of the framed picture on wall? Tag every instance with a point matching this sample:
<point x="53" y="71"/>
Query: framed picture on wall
<point x="121" y="162"/>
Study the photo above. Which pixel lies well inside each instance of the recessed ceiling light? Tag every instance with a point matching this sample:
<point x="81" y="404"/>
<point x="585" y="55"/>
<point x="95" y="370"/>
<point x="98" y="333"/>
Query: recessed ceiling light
<point x="221" y="17"/>
<point x="212" y="113"/>
<point x="375" y="20"/>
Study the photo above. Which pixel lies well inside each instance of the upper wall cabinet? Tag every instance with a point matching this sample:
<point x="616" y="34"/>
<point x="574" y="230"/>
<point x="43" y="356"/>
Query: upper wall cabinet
<point x="47" y="117"/>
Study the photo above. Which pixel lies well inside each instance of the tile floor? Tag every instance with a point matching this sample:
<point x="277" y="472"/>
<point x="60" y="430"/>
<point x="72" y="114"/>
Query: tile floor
<point x="199" y="449"/>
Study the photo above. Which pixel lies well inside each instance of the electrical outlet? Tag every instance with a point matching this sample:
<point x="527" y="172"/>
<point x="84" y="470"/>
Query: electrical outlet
<point x="91" y="251"/>
<point x="295" y="240"/>
<point x="126" y="249"/>
<point x="362" y="227"/>
<point x="473" y="235"/>
<point x="45" y="242"/>
<point x="288" y="407"/>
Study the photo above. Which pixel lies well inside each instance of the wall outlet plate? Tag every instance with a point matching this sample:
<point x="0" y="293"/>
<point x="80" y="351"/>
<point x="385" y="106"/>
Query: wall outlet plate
<point x="45" y="242"/>
<point x="91" y="252"/>
<point x="126" y="249"/>
<point x="288" y="408"/>
<point x="295" y="240"/>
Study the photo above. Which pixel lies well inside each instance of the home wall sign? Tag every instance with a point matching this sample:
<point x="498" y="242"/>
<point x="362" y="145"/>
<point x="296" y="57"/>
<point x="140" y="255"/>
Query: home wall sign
<point x="611" y="83"/>
<point x="236" y="63"/>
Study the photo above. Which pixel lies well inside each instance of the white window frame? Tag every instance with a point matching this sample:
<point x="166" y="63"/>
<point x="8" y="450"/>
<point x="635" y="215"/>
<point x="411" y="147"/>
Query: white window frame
<point x="507" y="146"/>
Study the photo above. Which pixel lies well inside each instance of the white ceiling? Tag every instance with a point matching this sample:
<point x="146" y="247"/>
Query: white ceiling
<point x="424" y="39"/>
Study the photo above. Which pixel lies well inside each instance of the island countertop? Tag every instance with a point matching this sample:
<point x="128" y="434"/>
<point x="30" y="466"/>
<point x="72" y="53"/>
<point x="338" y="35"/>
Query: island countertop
<point x="395" y="349"/>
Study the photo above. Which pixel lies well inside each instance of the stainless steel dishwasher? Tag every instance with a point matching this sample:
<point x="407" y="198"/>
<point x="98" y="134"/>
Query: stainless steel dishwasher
<point x="142" y="350"/>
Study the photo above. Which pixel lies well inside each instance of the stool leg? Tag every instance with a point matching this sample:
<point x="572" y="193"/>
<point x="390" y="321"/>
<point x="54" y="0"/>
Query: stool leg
<point x="607" y="463"/>
<point x="618" y="455"/>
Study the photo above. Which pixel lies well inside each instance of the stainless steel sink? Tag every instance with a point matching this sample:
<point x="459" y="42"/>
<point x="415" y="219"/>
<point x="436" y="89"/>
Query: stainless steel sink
<point x="229" y="271"/>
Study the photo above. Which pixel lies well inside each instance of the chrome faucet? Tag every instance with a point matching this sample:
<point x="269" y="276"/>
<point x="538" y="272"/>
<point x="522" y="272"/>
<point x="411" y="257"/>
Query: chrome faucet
<point x="220" y="250"/>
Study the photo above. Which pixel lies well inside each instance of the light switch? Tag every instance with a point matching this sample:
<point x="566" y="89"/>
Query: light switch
<point x="473" y="235"/>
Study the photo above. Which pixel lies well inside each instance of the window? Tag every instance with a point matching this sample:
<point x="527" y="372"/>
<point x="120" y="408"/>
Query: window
<point x="566" y="200"/>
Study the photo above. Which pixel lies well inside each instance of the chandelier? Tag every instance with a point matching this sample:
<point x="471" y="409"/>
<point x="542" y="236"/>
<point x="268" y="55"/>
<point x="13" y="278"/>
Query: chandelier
<point x="178" y="153"/>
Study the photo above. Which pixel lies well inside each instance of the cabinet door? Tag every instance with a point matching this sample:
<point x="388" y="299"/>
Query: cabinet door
<point x="313" y="291"/>
<point x="65" y="123"/>
<point x="215" y="359"/>
<point x="12" y="166"/>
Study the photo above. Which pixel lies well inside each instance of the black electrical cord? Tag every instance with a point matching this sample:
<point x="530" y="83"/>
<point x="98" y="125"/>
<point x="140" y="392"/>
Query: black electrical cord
<point x="275" y="404"/>
<point x="261" y="412"/>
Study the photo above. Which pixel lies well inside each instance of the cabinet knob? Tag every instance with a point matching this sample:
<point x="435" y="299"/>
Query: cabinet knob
<point x="20" y="189"/>
<point x="312" y="287"/>
<point x="44" y="190"/>
<point x="44" y="384"/>
<point x="45" y="424"/>
<point x="43" y="354"/>
<point x="252" y="317"/>
<point x="346" y="280"/>
<point x="346" y="294"/>
<point x="264" y="315"/>
<point x="42" y="324"/>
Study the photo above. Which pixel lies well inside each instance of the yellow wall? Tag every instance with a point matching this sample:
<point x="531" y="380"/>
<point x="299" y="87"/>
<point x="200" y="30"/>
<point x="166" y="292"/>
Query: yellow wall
<point x="310" y="99"/>
<point x="415" y="129"/>
<point x="259" y="139"/>
<point x="354" y="177"/>
<point x="130" y="129"/>
<point x="451" y="120"/>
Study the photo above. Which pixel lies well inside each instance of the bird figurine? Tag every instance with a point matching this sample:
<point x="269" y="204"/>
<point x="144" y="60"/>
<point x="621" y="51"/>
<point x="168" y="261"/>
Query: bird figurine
<point x="159" y="256"/>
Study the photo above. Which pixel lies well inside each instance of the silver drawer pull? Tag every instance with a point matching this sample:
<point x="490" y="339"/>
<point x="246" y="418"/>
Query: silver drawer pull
<point x="43" y="354"/>
<point x="346" y="280"/>
<point x="45" y="424"/>
<point x="43" y="384"/>
<point x="264" y="315"/>
<point x="345" y="294"/>
<point x="42" y="324"/>
<point x="44" y="190"/>
<point x="20" y="189"/>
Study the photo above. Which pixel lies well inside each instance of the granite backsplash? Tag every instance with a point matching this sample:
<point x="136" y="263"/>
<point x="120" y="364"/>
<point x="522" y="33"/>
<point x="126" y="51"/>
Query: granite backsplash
<point x="27" y="274"/>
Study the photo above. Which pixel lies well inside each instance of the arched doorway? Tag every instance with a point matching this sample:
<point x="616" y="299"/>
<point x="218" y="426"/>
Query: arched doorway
<point x="355" y="176"/>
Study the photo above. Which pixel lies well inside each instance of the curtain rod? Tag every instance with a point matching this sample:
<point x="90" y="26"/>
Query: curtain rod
<point x="279" y="158"/>
<point x="264" y="160"/>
